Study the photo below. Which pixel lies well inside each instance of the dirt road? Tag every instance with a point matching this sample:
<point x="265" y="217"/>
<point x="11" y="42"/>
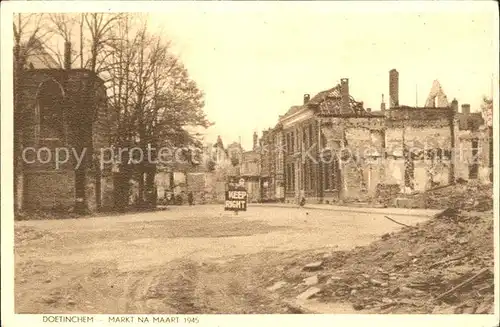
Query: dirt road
<point x="184" y="260"/>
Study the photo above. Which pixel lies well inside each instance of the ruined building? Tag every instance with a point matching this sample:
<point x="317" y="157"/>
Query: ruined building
<point x="331" y="148"/>
<point x="61" y="112"/>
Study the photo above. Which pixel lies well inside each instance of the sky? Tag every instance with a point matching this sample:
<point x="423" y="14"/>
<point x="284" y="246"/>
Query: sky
<point x="254" y="62"/>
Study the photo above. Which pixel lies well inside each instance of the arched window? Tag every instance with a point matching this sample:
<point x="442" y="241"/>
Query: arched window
<point x="49" y="103"/>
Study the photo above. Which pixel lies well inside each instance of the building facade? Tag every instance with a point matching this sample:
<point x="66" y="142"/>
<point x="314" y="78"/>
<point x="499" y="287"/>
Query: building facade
<point x="331" y="148"/>
<point x="62" y="123"/>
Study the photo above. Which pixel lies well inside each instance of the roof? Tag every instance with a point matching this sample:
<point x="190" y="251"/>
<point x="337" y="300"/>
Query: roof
<point x="437" y="97"/>
<point x="292" y="110"/>
<point x="328" y="102"/>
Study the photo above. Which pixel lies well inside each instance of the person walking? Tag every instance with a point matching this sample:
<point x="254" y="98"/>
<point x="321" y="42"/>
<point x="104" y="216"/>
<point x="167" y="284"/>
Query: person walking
<point x="190" y="198"/>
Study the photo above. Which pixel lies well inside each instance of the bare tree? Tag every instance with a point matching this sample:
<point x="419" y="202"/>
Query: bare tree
<point x="151" y="98"/>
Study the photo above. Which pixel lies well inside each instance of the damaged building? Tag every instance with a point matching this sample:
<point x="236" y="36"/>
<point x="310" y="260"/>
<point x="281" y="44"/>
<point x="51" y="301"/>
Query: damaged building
<point x="332" y="148"/>
<point x="61" y="122"/>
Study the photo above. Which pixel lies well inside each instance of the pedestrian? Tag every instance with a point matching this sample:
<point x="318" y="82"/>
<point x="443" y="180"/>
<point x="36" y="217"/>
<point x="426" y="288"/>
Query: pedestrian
<point x="302" y="198"/>
<point x="190" y="198"/>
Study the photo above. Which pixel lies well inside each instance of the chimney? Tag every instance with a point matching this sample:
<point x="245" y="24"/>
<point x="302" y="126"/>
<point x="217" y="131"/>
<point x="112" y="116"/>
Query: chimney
<point x="393" y="88"/>
<point x="67" y="55"/>
<point x="255" y="139"/>
<point x="466" y="108"/>
<point x="454" y="105"/>
<point x="307" y="97"/>
<point x="345" y="107"/>
<point x="382" y="104"/>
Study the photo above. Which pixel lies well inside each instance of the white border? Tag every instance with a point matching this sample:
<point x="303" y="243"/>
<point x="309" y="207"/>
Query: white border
<point x="7" y="259"/>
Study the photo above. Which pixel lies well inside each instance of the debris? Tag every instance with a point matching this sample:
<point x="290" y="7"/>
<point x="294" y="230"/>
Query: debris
<point x="276" y="286"/>
<point x="310" y="281"/>
<point x="309" y="293"/>
<point x="487" y="288"/>
<point x="448" y="260"/>
<point x="469" y="310"/>
<point x="408" y="292"/>
<point x="484" y="272"/>
<point x="313" y="266"/>
<point x="333" y="279"/>
<point x="448" y="212"/>
<point x="445" y="309"/>
<point x="388" y="304"/>
<point x="358" y="306"/>
<point x="367" y="276"/>
<point x="296" y="307"/>
<point x="49" y="299"/>
<point x="485" y="307"/>
<point x="397" y="222"/>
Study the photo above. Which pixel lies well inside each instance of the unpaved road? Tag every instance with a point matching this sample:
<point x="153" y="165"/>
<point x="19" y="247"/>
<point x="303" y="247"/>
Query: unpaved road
<point x="184" y="260"/>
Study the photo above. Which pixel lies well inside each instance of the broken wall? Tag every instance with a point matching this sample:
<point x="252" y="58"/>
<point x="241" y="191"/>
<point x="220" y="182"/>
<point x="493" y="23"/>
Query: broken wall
<point x="360" y="144"/>
<point x="431" y="143"/>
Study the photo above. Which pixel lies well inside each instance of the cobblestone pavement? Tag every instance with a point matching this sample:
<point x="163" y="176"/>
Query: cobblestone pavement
<point x="196" y="259"/>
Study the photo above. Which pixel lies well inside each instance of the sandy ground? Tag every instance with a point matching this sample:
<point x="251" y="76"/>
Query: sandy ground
<point x="184" y="260"/>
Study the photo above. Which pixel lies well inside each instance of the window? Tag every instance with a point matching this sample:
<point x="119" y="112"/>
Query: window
<point x="313" y="176"/>
<point x="289" y="144"/>
<point x="50" y="111"/>
<point x="304" y="139"/>
<point x="439" y="154"/>
<point x="288" y="177"/>
<point x="474" y="167"/>
<point x="311" y="136"/>
<point x="330" y="172"/>
<point x="327" y="175"/>
<point x="306" y="176"/>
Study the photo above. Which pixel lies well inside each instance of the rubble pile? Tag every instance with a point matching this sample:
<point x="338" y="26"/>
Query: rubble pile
<point x="385" y="193"/>
<point x="470" y="196"/>
<point x="442" y="266"/>
<point x="466" y="195"/>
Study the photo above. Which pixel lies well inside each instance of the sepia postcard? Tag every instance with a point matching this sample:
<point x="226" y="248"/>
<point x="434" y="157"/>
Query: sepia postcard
<point x="219" y="163"/>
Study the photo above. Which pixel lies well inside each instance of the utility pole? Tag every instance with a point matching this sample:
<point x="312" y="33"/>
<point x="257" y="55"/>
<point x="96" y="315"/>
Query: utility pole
<point x="416" y="95"/>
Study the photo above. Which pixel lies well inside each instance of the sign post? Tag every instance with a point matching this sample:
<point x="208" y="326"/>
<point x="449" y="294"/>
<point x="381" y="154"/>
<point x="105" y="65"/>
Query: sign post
<point x="236" y="197"/>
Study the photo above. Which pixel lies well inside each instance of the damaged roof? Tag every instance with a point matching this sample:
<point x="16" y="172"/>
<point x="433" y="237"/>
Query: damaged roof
<point x="328" y="102"/>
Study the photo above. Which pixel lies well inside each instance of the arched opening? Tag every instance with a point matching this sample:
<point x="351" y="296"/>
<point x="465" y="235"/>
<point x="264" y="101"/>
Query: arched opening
<point x="49" y="102"/>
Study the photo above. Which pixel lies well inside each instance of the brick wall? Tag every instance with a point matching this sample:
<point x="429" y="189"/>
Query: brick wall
<point x="49" y="190"/>
<point x="46" y="185"/>
<point x="428" y="130"/>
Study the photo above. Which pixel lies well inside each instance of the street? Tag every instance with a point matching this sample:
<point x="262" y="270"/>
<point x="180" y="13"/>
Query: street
<point x="185" y="259"/>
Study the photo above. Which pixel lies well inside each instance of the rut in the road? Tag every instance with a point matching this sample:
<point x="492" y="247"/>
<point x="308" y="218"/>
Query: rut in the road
<point x="187" y="287"/>
<point x="169" y="289"/>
